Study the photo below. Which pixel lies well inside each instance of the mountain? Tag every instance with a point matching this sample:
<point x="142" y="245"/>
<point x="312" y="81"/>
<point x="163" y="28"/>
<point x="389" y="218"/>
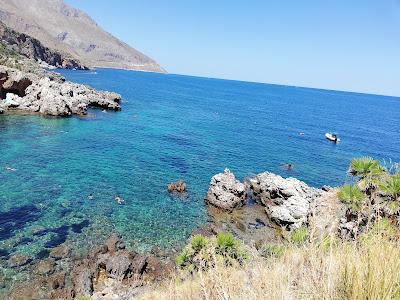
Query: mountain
<point x="32" y="48"/>
<point x="68" y="30"/>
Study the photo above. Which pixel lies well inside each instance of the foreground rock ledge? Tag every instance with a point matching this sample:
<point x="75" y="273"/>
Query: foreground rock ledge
<point x="49" y="94"/>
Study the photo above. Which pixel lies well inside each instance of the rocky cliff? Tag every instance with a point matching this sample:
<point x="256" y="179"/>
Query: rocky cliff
<point x="32" y="48"/>
<point x="68" y="30"/>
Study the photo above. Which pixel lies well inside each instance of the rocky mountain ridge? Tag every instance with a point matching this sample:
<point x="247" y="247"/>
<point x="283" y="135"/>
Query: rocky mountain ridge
<point x="68" y="30"/>
<point x="32" y="48"/>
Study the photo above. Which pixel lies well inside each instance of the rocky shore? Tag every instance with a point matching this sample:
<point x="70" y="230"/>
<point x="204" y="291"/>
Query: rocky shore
<point x="49" y="94"/>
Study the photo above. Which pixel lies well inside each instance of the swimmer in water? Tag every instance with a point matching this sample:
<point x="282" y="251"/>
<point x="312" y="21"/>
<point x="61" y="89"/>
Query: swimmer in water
<point x="119" y="199"/>
<point x="288" y="167"/>
<point x="10" y="169"/>
<point x="91" y="196"/>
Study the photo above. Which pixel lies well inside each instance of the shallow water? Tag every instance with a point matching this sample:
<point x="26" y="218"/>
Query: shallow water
<point x="171" y="127"/>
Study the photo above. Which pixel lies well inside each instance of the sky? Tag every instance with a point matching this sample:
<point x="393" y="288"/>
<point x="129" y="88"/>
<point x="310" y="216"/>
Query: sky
<point x="332" y="44"/>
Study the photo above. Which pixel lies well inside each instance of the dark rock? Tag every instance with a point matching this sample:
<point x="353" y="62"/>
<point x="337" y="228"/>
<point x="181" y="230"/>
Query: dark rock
<point x="18" y="260"/>
<point x="326" y="188"/>
<point x="177" y="187"/>
<point x="57" y="281"/>
<point x="60" y="252"/>
<point x="45" y="267"/>
<point x="115" y="243"/>
<point x="82" y="276"/>
<point x="207" y="230"/>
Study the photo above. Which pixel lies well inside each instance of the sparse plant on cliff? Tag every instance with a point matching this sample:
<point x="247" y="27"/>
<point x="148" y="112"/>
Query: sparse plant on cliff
<point x="391" y="187"/>
<point x="368" y="171"/>
<point x="230" y="249"/>
<point x="351" y="196"/>
<point x="299" y="235"/>
<point x="199" y="242"/>
<point x="272" y="250"/>
<point x="203" y="253"/>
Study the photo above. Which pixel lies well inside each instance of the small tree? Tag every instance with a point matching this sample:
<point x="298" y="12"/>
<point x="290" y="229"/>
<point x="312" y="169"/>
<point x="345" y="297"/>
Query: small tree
<point x="369" y="173"/>
<point x="391" y="187"/>
<point x="351" y="196"/>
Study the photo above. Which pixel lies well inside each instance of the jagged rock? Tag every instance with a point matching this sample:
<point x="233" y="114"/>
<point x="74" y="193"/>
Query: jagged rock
<point x="177" y="187"/>
<point x="225" y="191"/>
<point x="114" y="243"/>
<point x="45" y="267"/>
<point x="11" y="101"/>
<point x="60" y="252"/>
<point x="18" y="260"/>
<point x="50" y="95"/>
<point x="287" y="201"/>
<point x="82" y="276"/>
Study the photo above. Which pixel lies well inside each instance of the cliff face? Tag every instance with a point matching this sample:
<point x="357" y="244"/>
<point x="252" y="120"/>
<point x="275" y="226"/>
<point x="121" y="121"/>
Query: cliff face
<point x="59" y="26"/>
<point x="33" y="49"/>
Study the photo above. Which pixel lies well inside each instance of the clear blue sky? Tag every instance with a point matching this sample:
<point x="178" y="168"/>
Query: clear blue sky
<point x="335" y="44"/>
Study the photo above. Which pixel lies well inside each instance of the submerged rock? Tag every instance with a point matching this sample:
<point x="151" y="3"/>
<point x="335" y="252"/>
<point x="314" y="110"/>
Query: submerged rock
<point x="225" y="192"/>
<point x="287" y="201"/>
<point x="18" y="260"/>
<point x="60" y="252"/>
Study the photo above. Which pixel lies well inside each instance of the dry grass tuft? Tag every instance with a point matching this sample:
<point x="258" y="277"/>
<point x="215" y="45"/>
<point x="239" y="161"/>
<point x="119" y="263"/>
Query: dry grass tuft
<point x="365" y="269"/>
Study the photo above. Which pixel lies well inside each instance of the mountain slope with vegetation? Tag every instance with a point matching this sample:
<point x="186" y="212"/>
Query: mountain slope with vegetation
<point x="60" y="26"/>
<point x="32" y="48"/>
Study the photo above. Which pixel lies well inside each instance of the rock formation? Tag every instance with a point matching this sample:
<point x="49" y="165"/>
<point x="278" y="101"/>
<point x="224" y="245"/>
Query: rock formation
<point x="50" y="95"/>
<point x="178" y="187"/>
<point x="33" y="49"/>
<point x="225" y="191"/>
<point x="59" y="26"/>
<point x="287" y="201"/>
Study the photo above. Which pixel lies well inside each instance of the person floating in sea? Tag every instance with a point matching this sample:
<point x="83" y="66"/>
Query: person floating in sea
<point x="288" y="167"/>
<point x="118" y="199"/>
<point x="91" y="196"/>
<point x="10" y="169"/>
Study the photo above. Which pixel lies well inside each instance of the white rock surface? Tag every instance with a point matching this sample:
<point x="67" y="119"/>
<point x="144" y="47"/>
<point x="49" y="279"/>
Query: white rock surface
<point x="225" y="191"/>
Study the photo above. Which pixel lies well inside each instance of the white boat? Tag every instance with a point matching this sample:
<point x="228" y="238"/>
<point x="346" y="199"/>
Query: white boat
<point x="332" y="137"/>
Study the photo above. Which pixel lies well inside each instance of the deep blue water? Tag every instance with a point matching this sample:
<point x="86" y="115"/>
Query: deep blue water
<point x="171" y="127"/>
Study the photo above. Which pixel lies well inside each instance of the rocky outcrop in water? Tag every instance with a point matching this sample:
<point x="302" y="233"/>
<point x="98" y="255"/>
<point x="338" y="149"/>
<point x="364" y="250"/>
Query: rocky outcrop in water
<point x="225" y="191"/>
<point x="50" y="95"/>
<point x="287" y="201"/>
<point x="178" y="187"/>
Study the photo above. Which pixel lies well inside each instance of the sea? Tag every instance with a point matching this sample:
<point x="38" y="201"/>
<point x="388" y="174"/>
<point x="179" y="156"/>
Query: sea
<point x="170" y="128"/>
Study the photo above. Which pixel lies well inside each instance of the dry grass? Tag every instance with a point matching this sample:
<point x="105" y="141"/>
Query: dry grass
<point x="367" y="269"/>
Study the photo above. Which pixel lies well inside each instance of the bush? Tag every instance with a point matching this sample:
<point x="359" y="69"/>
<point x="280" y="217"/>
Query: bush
<point x="351" y="196"/>
<point x="299" y="235"/>
<point x="202" y="253"/>
<point x="272" y="250"/>
<point x="199" y="242"/>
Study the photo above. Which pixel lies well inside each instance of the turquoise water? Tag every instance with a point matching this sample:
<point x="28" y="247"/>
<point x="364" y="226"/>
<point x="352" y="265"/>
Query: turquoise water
<point x="171" y="127"/>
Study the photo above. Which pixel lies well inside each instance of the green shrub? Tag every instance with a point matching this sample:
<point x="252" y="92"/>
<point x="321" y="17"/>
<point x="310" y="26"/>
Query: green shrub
<point x="299" y="235"/>
<point x="183" y="259"/>
<point x="202" y="253"/>
<point x="83" y="298"/>
<point x="272" y="250"/>
<point x="351" y="196"/>
<point x="199" y="242"/>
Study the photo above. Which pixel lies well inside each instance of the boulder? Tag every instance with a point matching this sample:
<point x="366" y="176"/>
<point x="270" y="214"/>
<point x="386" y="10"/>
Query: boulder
<point x="178" y="187"/>
<point x="225" y="192"/>
<point x="45" y="267"/>
<point x="60" y="252"/>
<point x="11" y="101"/>
<point x="18" y="260"/>
<point x="287" y="201"/>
